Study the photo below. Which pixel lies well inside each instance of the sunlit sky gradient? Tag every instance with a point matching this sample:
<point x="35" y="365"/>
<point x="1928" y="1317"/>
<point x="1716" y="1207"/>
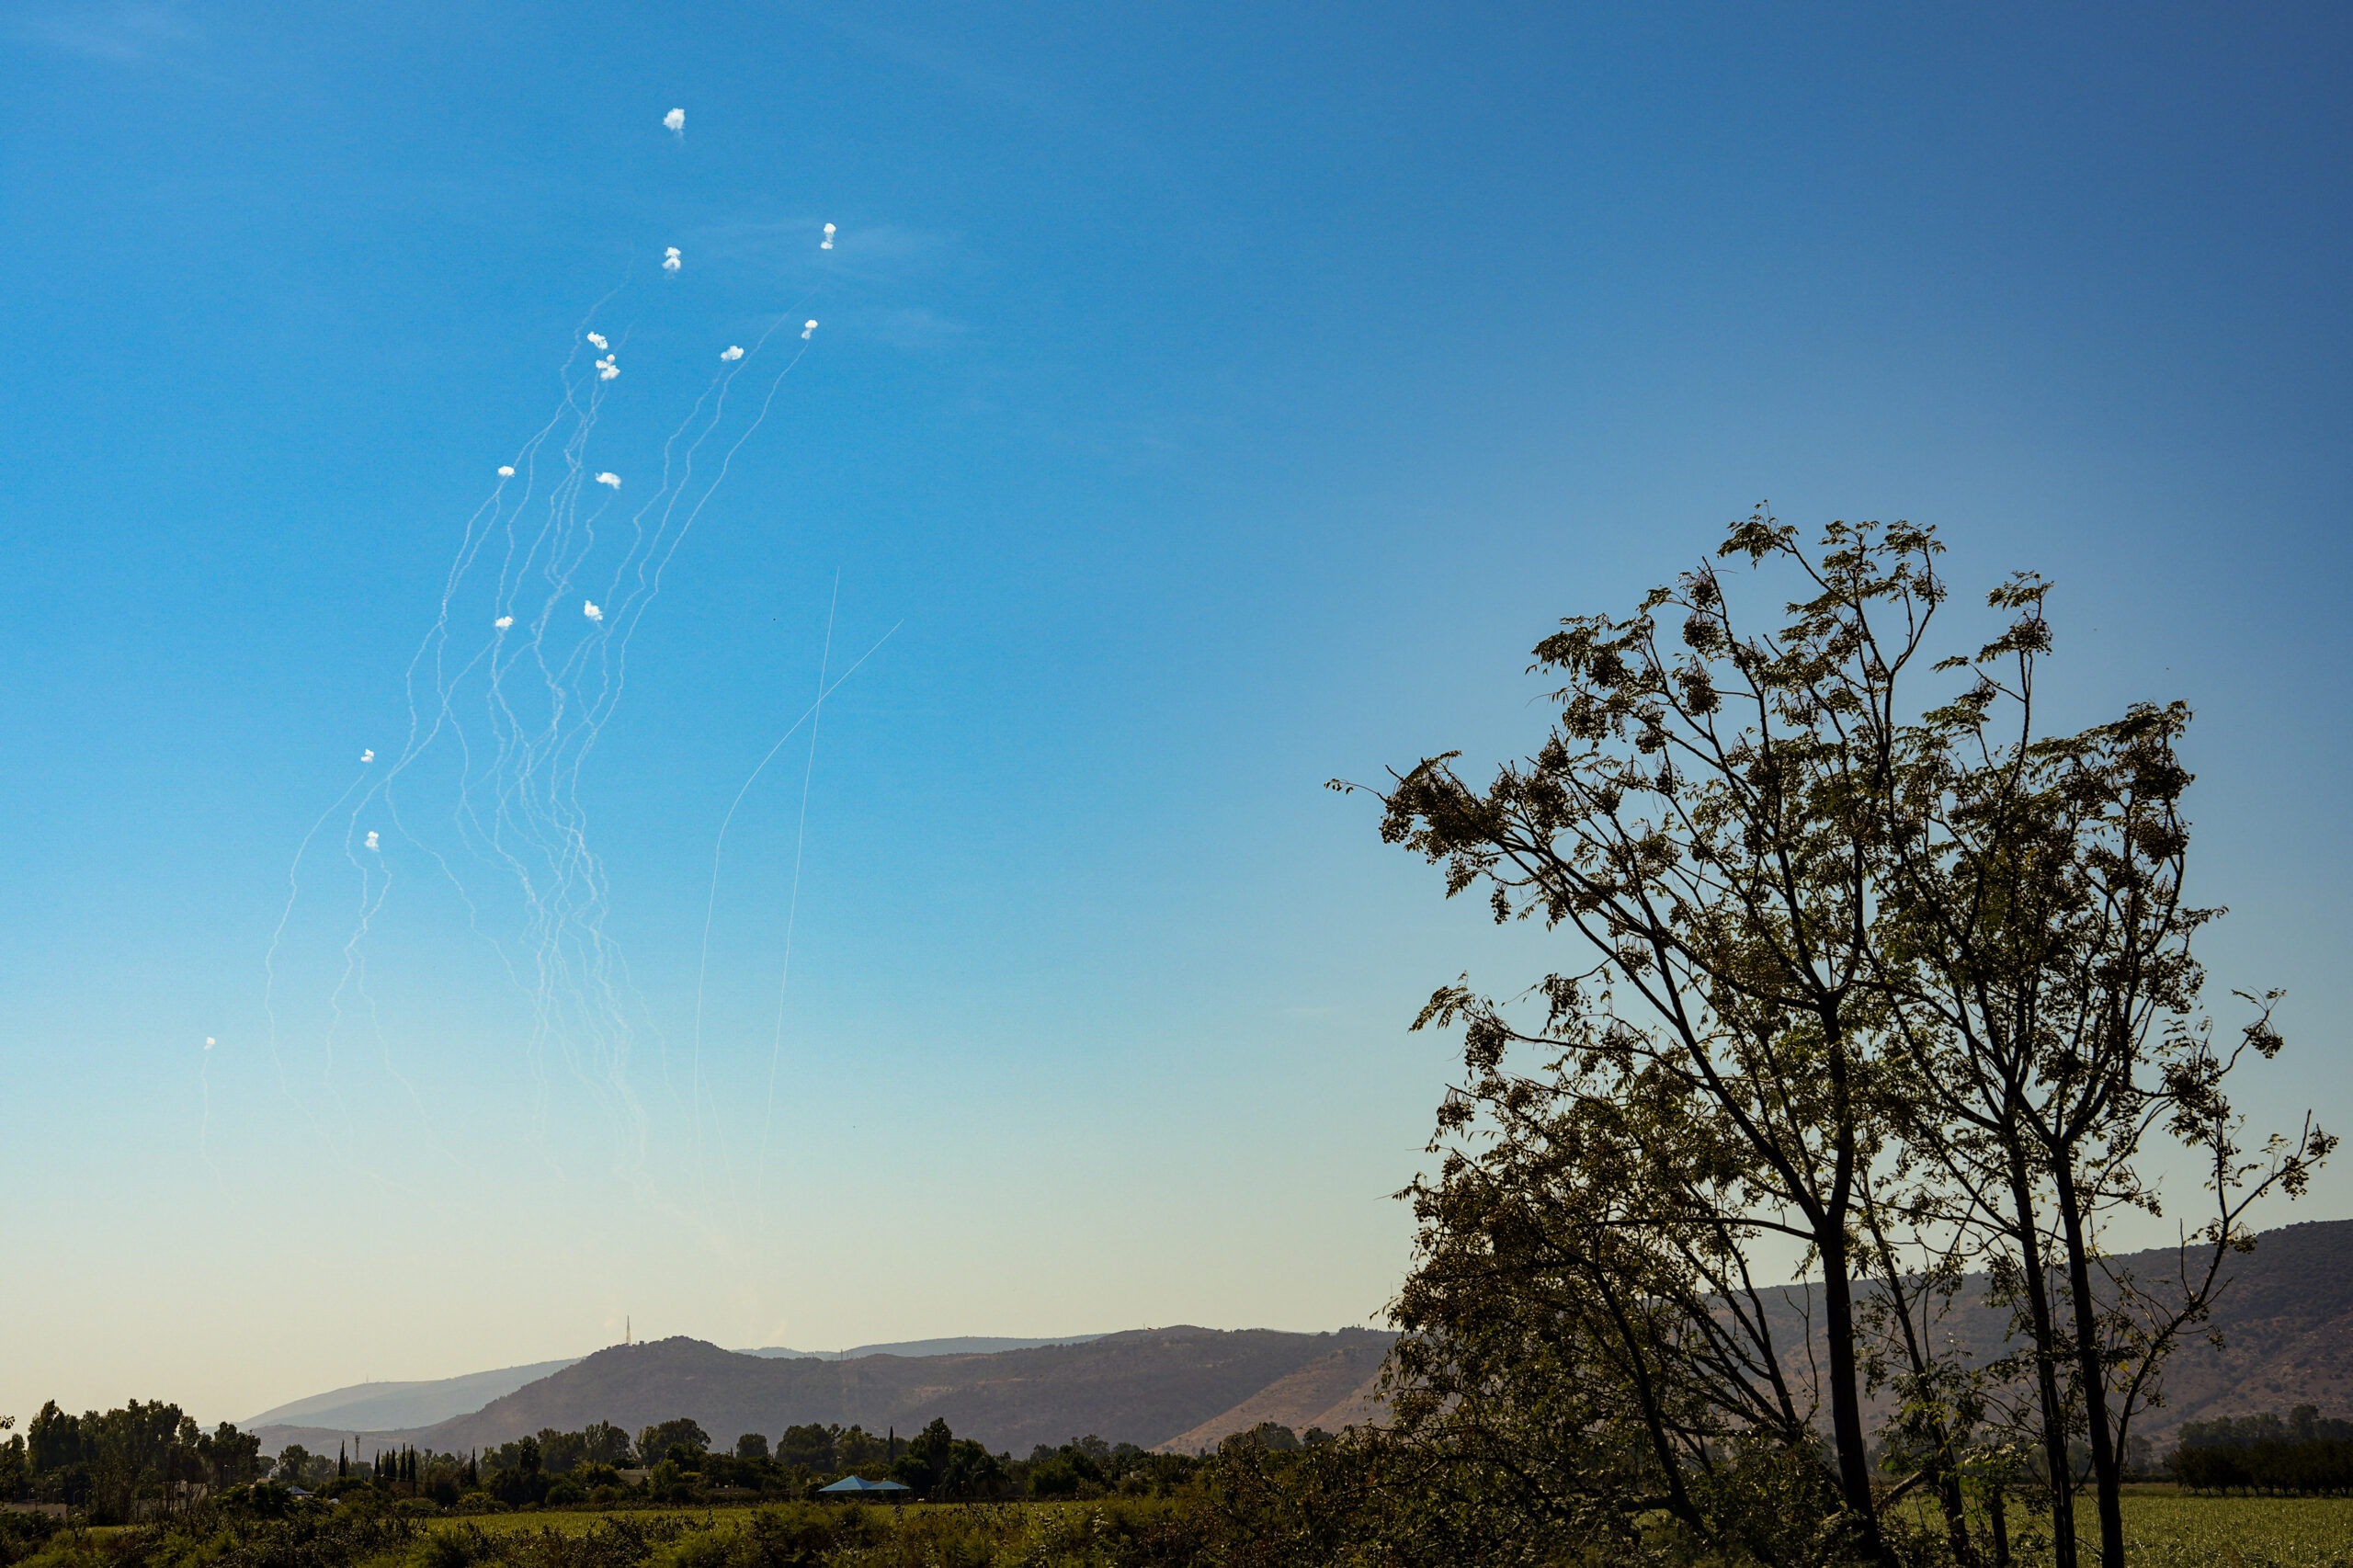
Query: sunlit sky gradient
<point x="1218" y="399"/>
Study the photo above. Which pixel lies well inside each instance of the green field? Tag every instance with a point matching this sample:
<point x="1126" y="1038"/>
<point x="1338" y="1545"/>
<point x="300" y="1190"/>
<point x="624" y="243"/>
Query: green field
<point x="2174" y="1530"/>
<point x="2164" y="1530"/>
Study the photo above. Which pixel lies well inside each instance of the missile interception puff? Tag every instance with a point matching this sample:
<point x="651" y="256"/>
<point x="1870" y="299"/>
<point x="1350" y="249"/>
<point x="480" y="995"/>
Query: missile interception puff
<point x="610" y="480"/>
<point x="827" y="243"/>
<point x="506" y="471"/>
<point x="502" y="622"/>
<point x="210" y="1042"/>
<point x="593" y="610"/>
<point x="371" y="840"/>
<point x="606" y="370"/>
<point x="806" y="328"/>
<point x="599" y="339"/>
<point x="675" y="122"/>
<point x="731" y="353"/>
<point x="369" y="754"/>
<point x="670" y="258"/>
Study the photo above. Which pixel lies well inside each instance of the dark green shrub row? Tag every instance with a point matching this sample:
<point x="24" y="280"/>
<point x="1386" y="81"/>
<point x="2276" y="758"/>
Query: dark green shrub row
<point x="2322" y="1467"/>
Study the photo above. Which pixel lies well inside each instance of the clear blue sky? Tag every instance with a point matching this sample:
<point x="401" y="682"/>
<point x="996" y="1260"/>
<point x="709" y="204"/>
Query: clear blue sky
<point x="1217" y="398"/>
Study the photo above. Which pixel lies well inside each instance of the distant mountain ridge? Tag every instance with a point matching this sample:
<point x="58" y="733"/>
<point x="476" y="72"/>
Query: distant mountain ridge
<point x="2287" y="1320"/>
<point x="1145" y="1386"/>
<point x="962" y="1344"/>
<point x="367" y="1407"/>
<point x="387" y="1406"/>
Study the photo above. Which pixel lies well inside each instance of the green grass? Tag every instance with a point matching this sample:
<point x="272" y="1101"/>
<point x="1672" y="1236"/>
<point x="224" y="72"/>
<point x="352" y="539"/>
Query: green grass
<point x="2176" y="1531"/>
<point x="565" y="1521"/>
<point x="2162" y="1529"/>
<point x="2166" y="1528"/>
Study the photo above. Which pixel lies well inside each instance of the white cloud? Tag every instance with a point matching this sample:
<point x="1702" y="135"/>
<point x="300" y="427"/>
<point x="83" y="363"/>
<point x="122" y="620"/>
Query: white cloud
<point x="506" y="471"/>
<point x="612" y="479"/>
<point x="504" y="622"/>
<point x="590" y="609"/>
<point x="732" y="352"/>
<point x="828" y="242"/>
<point x="675" y="122"/>
<point x="670" y="259"/>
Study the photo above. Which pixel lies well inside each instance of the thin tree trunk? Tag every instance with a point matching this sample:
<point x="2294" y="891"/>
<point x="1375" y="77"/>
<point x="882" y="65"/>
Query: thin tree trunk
<point x="2046" y="1371"/>
<point x="2107" y="1479"/>
<point x="1846" y="1405"/>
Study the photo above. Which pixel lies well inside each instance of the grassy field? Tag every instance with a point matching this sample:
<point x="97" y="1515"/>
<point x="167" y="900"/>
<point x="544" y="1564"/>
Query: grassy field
<point x="2165" y="1529"/>
<point x="2175" y="1531"/>
<point x="2162" y="1529"/>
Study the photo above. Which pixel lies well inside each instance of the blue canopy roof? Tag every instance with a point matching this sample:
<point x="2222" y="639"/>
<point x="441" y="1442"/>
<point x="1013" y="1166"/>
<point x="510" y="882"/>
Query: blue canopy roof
<point x="860" y="1483"/>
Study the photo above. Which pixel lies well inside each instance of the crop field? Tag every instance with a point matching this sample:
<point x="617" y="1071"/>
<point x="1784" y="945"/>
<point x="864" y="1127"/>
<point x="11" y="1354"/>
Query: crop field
<point x="2164" y="1530"/>
<point x="2176" y="1531"/>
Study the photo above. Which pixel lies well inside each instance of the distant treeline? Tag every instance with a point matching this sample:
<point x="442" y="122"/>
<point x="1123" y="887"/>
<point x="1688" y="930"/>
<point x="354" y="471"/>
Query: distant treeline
<point x="2304" y="1454"/>
<point x="149" y="1458"/>
<point x="108" y="1465"/>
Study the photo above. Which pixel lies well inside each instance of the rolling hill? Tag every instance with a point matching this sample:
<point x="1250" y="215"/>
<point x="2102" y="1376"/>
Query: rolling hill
<point x="367" y="1407"/>
<point x="2287" y="1322"/>
<point x="1146" y="1386"/>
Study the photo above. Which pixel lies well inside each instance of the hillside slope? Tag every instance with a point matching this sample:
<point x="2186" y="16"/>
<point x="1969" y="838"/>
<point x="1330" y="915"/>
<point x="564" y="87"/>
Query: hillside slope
<point x="1331" y="1391"/>
<point x="1145" y="1387"/>
<point x="2287" y="1322"/>
<point x="2286" y="1319"/>
<point x="367" y="1407"/>
<point x="962" y="1344"/>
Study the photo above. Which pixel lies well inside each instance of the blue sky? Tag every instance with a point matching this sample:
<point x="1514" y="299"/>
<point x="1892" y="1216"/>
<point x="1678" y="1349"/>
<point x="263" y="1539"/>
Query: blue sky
<point x="1214" y="400"/>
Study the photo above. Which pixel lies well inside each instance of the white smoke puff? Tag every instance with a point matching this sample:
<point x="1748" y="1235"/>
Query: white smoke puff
<point x="506" y="471"/>
<point x="675" y="122"/>
<point x="612" y="479"/>
<point x="210" y="1042"/>
<point x="828" y="242"/>
<point x="806" y="328"/>
<point x="608" y="372"/>
<point x="732" y="352"/>
<point x="670" y="258"/>
<point x="371" y="840"/>
<point x="590" y="609"/>
<point x="504" y="622"/>
<point x="597" y="338"/>
<point x="368" y="755"/>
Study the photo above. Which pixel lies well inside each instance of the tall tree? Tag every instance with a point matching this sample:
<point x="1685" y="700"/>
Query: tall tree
<point x="1855" y="973"/>
<point x="2041" y="976"/>
<point x="1703" y="820"/>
